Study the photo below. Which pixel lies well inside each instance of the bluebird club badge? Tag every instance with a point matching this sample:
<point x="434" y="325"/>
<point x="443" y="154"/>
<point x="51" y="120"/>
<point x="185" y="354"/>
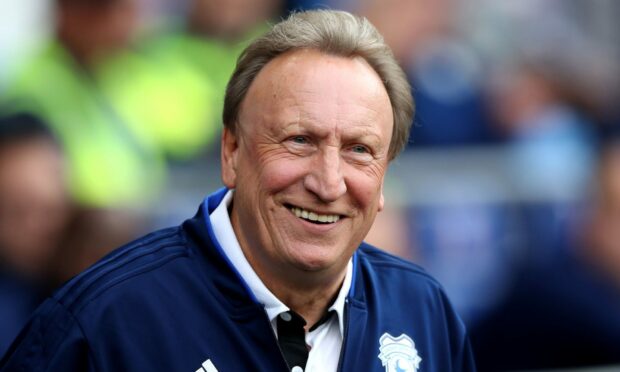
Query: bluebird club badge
<point x="398" y="354"/>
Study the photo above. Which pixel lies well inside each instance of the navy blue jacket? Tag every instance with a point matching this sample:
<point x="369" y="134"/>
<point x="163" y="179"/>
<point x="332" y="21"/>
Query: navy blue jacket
<point x="171" y="301"/>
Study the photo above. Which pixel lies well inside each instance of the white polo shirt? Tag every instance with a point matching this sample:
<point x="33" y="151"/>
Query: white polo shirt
<point x="326" y="340"/>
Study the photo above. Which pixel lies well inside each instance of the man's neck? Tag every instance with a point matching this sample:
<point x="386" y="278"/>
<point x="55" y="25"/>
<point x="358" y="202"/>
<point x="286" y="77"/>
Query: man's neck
<point x="309" y="301"/>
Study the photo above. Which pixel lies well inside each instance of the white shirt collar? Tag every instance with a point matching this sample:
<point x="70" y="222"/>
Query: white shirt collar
<point x="225" y="235"/>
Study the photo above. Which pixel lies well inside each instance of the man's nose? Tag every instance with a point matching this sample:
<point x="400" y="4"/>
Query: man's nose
<point x="326" y="178"/>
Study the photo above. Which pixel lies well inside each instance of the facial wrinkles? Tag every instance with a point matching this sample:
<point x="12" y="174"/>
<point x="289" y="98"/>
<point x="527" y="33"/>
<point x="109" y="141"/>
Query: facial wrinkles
<point x="339" y="114"/>
<point x="336" y="128"/>
<point x="261" y="144"/>
<point x="253" y="237"/>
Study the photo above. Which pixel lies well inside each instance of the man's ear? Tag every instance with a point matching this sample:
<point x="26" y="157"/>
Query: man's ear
<point x="381" y="199"/>
<point x="230" y="148"/>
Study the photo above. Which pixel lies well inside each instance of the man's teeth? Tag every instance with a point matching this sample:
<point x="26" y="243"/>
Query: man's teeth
<point x="325" y="218"/>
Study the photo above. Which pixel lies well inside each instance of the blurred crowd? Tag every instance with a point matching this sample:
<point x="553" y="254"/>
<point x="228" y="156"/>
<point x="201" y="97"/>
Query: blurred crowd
<point x="508" y="193"/>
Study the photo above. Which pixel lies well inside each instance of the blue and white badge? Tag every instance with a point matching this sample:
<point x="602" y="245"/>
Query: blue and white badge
<point x="398" y="354"/>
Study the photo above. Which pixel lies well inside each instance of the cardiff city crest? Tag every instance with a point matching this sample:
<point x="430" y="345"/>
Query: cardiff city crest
<point x="398" y="354"/>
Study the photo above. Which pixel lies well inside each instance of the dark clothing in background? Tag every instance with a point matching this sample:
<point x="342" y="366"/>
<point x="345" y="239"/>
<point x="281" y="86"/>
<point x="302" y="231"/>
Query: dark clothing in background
<point x="558" y="315"/>
<point x="19" y="298"/>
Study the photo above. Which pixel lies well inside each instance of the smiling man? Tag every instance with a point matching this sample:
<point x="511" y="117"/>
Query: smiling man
<point x="307" y="160"/>
<point x="271" y="274"/>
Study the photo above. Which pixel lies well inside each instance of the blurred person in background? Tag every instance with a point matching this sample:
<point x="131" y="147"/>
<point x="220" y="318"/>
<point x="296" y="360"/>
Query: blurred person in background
<point x="566" y="312"/>
<point x="205" y="41"/>
<point x="118" y="114"/>
<point x="603" y="232"/>
<point x="550" y="130"/>
<point x="107" y="160"/>
<point x="544" y="115"/>
<point x="34" y="217"/>
<point x="113" y="170"/>
<point x="445" y="70"/>
<point x="544" y="95"/>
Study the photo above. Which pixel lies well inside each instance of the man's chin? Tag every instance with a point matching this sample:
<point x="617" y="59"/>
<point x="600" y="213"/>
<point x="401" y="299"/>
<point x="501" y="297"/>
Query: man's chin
<point x="312" y="267"/>
<point x="316" y="265"/>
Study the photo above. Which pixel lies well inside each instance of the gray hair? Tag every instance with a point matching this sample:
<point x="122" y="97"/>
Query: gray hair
<point x="333" y="32"/>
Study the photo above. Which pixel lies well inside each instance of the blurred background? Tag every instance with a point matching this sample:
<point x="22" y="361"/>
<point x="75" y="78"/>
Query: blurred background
<point x="508" y="193"/>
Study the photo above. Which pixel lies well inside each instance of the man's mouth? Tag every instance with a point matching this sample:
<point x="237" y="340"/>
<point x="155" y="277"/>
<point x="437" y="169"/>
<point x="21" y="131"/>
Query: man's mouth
<point x="314" y="217"/>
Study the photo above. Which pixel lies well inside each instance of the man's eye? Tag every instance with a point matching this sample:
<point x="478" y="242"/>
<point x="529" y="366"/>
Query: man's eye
<point x="299" y="140"/>
<point x="359" y="149"/>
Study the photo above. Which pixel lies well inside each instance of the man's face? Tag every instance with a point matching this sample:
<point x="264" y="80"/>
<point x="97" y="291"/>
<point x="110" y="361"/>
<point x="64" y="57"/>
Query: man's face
<point x="34" y="204"/>
<point x="308" y="161"/>
<point x="102" y="28"/>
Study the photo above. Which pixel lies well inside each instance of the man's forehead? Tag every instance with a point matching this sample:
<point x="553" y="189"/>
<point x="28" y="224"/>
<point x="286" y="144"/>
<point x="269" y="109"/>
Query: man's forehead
<point x="305" y="62"/>
<point x="293" y="75"/>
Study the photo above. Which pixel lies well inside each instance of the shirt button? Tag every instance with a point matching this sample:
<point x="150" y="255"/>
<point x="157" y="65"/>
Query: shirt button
<point x="297" y="368"/>
<point x="287" y="318"/>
